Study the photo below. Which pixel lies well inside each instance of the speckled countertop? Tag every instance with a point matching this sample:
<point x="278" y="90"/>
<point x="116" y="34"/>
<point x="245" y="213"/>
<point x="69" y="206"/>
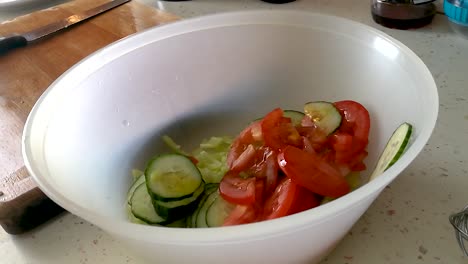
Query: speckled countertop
<point x="408" y="223"/>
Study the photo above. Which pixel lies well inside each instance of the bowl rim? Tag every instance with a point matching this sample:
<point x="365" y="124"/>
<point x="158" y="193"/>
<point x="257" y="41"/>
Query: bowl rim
<point x="231" y="234"/>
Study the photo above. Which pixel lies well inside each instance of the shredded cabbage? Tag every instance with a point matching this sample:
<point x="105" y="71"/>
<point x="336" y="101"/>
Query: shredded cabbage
<point x="211" y="156"/>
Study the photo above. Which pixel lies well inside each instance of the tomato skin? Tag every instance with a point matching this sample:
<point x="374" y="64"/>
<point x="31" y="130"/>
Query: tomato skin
<point x="303" y="200"/>
<point x="245" y="160"/>
<point x="237" y="190"/>
<point x="241" y="142"/>
<point x="241" y="214"/>
<point x="278" y="131"/>
<point x="342" y="143"/>
<point x="312" y="135"/>
<point x="193" y="159"/>
<point x="259" y="193"/>
<point x="314" y="163"/>
<point x="357" y="163"/>
<point x="271" y="172"/>
<point x="356" y="119"/>
<point x="311" y="172"/>
<point x="280" y="201"/>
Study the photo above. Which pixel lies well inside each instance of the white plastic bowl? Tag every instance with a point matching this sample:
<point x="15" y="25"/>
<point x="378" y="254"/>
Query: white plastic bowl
<point x="209" y="76"/>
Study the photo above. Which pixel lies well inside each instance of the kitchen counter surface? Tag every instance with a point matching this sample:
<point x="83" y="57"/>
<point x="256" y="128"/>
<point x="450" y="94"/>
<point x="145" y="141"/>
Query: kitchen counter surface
<point x="408" y="223"/>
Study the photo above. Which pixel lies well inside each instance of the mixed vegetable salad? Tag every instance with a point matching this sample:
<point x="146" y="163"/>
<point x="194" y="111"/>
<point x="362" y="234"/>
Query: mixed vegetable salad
<point x="283" y="163"/>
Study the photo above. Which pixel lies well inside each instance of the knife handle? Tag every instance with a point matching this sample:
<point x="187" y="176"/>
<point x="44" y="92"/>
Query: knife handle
<point x="11" y="42"/>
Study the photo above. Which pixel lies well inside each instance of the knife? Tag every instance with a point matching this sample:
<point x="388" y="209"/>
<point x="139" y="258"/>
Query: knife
<point x="20" y="40"/>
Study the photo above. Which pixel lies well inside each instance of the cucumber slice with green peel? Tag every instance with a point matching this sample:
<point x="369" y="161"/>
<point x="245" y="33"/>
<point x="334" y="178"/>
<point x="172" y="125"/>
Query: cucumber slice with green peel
<point x="175" y="210"/>
<point x="132" y="218"/>
<point x="394" y="149"/>
<point x="210" y="188"/>
<point x="201" y="216"/>
<point x="296" y="116"/>
<point x="324" y="114"/>
<point x="172" y="177"/>
<point x="218" y="211"/>
<point x="182" y="202"/>
<point x="188" y="221"/>
<point x="179" y="223"/>
<point x="132" y="189"/>
<point x="142" y="206"/>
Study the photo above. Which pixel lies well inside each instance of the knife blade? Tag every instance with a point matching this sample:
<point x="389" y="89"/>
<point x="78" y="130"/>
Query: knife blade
<point x="20" y="40"/>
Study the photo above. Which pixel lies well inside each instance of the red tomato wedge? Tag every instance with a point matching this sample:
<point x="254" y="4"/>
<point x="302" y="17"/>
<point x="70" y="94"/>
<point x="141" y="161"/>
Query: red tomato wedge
<point x="278" y="131"/>
<point x="303" y="200"/>
<point x="237" y="190"/>
<point x="242" y="214"/>
<point x="259" y="192"/>
<point x="280" y="202"/>
<point x="356" y="120"/>
<point x="247" y="137"/>
<point x="311" y="172"/>
<point x="245" y="160"/>
<point x="342" y="143"/>
<point x="271" y="172"/>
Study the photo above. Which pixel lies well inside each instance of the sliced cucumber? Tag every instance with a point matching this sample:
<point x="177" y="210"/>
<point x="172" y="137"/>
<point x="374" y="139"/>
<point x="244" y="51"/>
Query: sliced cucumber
<point x="132" y="217"/>
<point x="324" y="115"/>
<point x="218" y="211"/>
<point x="142" y="207"/>
<point x="179" y="223"/>
<point x="172" y="177"/>
<point x="201" y="216"/>
<point x="210" y="188"/>
<point x="175" y="210"/>
<point x="395" y="147"/>
<point x="182" y="202"/>
<point x="132" y="189"/>
<point x="296" y="116"/>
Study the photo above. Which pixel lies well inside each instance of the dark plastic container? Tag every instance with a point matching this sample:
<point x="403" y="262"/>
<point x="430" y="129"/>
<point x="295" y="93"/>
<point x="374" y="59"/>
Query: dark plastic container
<point x="403" y="14"/>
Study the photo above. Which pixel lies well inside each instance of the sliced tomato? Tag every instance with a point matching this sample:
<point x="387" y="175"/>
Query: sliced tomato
<point x="245" y="160"/>
<point x="307" y="145"/>
<point x="316" y="137"/>
<point x="312" y="172"/>
<point x="237" y="190"/>
<point x="356" y="120"/>
<point x="280" y="202"/>
<point x="357" y="163"/>
<point x="259" y="192"/>
<point x="271" y="172"/>
<point x="342" y="143"/>
<point x="303" y="200"/>
<point x="278" y="131"/>
<point x="247" y="137"/>
<point x="259" y="168"/>
<point x="241" y="214"/>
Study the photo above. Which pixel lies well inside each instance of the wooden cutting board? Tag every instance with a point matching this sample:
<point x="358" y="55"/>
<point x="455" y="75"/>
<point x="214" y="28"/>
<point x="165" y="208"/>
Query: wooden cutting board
<point x="24" y="75"/>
